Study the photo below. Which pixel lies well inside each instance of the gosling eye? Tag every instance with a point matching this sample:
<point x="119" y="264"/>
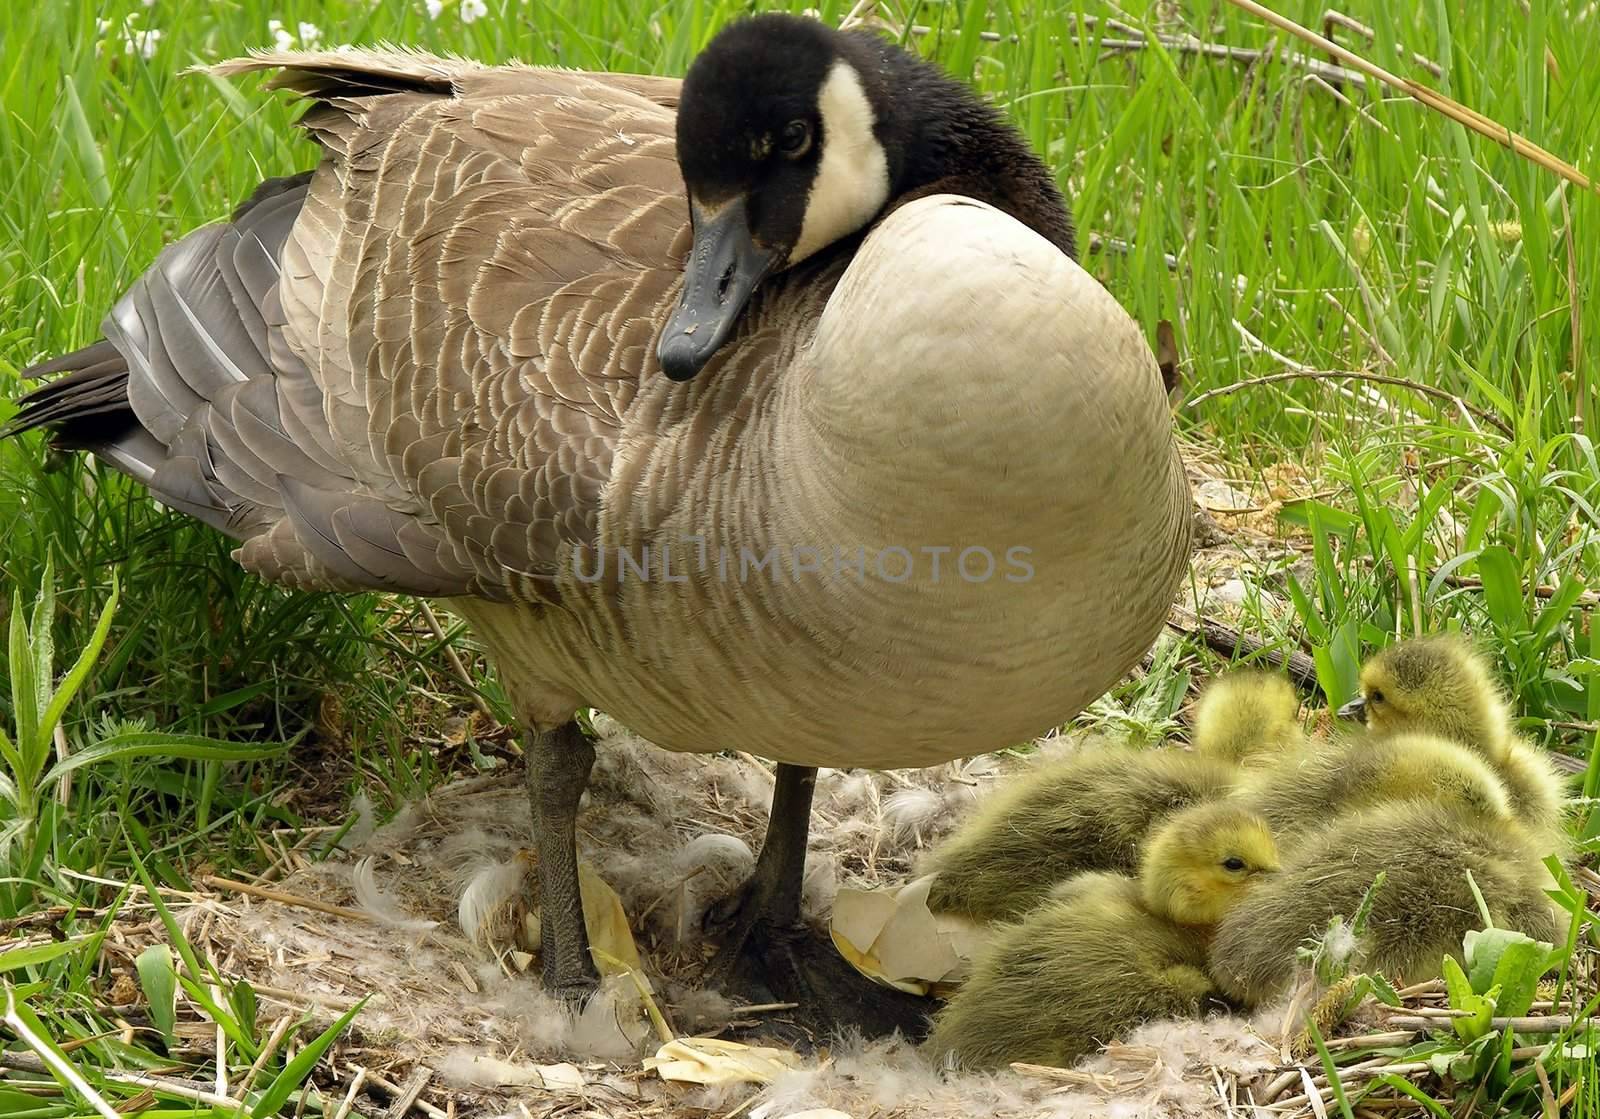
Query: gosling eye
<point x="1375" y="696"/>
<point x="795" y="139"/>
<point x="1233" y="863"/>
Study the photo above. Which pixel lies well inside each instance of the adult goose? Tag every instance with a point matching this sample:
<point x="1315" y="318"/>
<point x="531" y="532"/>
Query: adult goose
<point x="922" y="501"/>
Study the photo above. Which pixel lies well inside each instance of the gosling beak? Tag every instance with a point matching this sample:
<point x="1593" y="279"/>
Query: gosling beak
<point x="1355" y="709"/>
<point x="725" y="265"/>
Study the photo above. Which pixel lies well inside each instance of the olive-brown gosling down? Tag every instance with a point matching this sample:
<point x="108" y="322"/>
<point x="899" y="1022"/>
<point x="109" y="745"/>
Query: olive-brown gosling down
<point x="1441" y="685"/>
<point x="1109" y="952"/>
<point x="1246" y="717"/>
<point x="1091" y="811"/>
<point x="1303" y="790"/>
<point x="1421" y="912"/>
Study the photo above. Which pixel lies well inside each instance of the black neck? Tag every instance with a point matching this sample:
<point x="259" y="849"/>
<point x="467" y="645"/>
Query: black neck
<point x="945" y="139"/>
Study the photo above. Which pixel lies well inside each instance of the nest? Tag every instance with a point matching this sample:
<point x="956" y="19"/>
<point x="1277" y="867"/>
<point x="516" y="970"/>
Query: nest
<point x="456" y="1022"/>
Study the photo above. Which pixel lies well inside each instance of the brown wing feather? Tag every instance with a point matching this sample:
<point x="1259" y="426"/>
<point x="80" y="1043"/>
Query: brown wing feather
<point x="451" y="337"/>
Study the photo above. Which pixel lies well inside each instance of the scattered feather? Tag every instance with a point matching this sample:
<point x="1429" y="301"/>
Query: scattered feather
<point x="493" y="906"/>
<point x="379" y="905"/>
<point x="366" y="822"/>
<point x="911" y="812"/>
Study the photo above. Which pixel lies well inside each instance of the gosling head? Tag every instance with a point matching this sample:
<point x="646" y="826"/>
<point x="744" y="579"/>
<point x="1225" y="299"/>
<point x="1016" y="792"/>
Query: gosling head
<point x="1435" y="685"/>
<point x="1199" y="863"/>
<point x="793" y="135"/>
<point x="1245" y="713"/>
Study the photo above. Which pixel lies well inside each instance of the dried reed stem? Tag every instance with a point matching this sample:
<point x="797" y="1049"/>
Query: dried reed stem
<point x="1432" y="98"/>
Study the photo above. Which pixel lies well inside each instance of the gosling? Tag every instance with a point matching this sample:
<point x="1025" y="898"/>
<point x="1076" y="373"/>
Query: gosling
<point x="1425" y="906"/>
<point x="1091" y="811"/>
<point x="1441" y="685"/>
<point x="1246" y="717"/>
<point x="1303" y="790"/>
<point x="1110" y="951"/>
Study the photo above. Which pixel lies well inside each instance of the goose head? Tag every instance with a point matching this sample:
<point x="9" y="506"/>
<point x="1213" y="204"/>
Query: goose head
<point x="793" y="136"/>
<point x="1438" y="685"/>
<point x="1200" y="862"/>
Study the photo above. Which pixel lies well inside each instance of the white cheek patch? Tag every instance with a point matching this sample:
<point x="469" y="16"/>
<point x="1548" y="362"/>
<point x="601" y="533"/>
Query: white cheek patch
<point x="852" y="182"/>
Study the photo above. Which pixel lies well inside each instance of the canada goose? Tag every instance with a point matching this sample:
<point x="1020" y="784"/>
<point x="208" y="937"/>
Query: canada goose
<point x="1087" y="812"/>
<point x="1303" y="789"/>
<point x="429" y="366"/>
<point x="1109" y="952"/>
<point x="1424" y="907"/>
<point x="1246" y="717"/>
<point x="1441" y="685"/>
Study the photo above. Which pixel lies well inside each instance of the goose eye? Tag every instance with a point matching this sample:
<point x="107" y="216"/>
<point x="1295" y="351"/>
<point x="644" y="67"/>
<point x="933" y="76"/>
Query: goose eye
<point x="1375" y="697"/>
<point x="1233" y="863"/>
<point x="795" y="139"/>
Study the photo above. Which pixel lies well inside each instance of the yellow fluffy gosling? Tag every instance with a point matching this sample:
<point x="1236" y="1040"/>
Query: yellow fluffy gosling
<point x="1305" y="789"/>
<point x="1245" y="717"/>
<point x="1091" y="811"/>
<point x="1109" y="952"/>
<point x="1422" y="911"/>
<point x="1441" y="685"/>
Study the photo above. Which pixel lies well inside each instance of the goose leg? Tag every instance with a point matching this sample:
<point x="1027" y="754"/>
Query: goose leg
<point x="778" y="880"/>
<point x="768" y="951"/>
<point x="559" y="761"/>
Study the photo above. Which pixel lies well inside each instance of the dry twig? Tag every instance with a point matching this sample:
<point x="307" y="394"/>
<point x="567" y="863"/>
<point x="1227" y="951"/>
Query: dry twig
<point x="1225" y="639"/>
<point x="1355" y="375"/>
<point x="283" y="898"/>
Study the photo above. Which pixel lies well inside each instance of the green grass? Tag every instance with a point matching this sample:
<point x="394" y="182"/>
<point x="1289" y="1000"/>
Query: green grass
<point x="1275" y="221"/>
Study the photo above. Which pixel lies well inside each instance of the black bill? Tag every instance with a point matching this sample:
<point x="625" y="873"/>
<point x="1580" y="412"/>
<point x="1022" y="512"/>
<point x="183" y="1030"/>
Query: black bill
<point x="725" y="266"/>
<point x="1355" y="709"/>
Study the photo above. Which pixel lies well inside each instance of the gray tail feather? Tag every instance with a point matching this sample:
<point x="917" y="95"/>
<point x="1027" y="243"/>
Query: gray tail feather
<point x="86" y="408"/>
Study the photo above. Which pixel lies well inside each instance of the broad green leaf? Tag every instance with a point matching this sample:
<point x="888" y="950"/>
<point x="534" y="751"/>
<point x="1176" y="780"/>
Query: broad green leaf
<point x="1485" y="510"/>
<point x="21" y="1105"/>
<point x="159" y="978"/>
<point x="1479" y="1007"/>
<point x="1299" y="512"/>
<point x="37" y="954"/>
<point x="1502" y="588"/>
<point x="1482" y="949"/>
<point x="283" y="1085"/>
<point x="1517" y="976"/>
<point x="243" y="1000"/>
<point x="157" y="744"/>
<point x="79" y="672"/>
